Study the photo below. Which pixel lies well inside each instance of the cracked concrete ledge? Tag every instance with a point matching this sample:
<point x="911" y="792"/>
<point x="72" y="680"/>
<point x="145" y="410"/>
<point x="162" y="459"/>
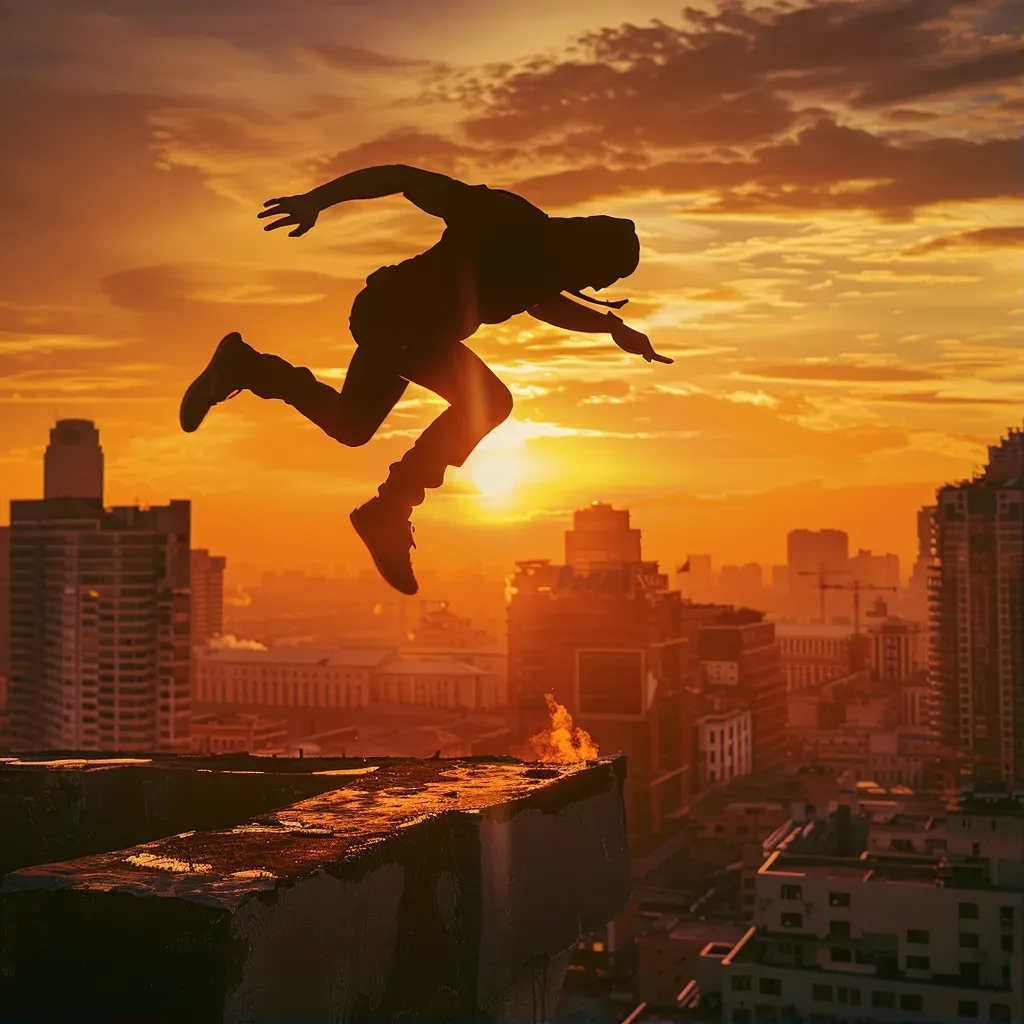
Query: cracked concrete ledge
<point x="414" y="890"/>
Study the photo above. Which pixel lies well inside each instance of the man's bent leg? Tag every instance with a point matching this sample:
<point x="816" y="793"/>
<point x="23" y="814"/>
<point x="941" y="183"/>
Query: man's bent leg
<point x="479" y="403"/>
<point x="371" y="389"/>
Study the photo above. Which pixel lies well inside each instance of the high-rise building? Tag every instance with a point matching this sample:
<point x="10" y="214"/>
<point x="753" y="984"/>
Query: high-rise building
<point x="99" y="650"/>
<point x="73" y="463"/>
<point x="607" y="643"/>
<point x="207" y="609"/>
<point x="601" y="538"/>
<point x="5" y="619"/>
<point x="915" y="601"/>
<point x="976" y="617"/>
<point x="100" y="626"/>
<point x="814" y="556"/>
<point x="698" y="582"/>
<point x="872" y="570"/>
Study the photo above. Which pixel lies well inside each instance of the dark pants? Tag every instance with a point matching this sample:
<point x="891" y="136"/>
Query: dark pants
<point x="389" y="353"/>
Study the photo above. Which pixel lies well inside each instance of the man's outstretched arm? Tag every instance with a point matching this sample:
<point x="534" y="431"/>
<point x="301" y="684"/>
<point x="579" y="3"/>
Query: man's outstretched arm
<point x="561" y="311"/>
<point x="426" y="189"/>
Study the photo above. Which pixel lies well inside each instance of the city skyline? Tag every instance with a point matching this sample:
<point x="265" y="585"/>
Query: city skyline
<point x="843" y="319"/>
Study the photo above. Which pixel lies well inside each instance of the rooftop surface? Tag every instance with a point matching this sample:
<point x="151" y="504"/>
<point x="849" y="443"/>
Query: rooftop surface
<point x="330" y="889"/>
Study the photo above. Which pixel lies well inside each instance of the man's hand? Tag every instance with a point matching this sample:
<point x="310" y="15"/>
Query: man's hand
<point x="634" y="342"/>
<point x="299" y="210"/>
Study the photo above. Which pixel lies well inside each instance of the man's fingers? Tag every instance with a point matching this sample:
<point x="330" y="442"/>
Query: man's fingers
<point x="662" y="359"/>
<point x="269" y="213"/>
<point x="299" y="231"/>
<point x="269" y="202"/>
<point x="282" y="223"/>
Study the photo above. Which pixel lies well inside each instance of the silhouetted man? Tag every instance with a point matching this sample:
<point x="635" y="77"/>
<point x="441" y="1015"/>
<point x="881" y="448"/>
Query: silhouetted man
<point x="499" y="256"/>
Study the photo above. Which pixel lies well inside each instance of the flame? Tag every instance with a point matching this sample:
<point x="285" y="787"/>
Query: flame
<point x="562" y="743"/>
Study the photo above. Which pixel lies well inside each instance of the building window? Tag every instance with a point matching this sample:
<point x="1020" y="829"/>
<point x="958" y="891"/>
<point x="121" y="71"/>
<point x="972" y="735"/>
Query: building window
<point x="1006" y="915"/>
<point x="840" y="955"/>
<point x="838" y="899"/>
<point x="884" y="1000"/>
<point x="821" y="993"/>
<point x="741" y="1016"/>
<point x="839" y="929"/>
<point x="769" y="986"/>
<point x="911" y="1001"/>
<point x="1006" y="943"/>
<point x="970" y="974"/>
<point x="967" y="1009"/>
<point x="968" y="940"/>
<point x="791" y="892"/>
<point x="740" y="983"/>
<point x="968" y="911"/>
<point x="998" y="1012"/>
<point x="791" y="920"/>
<point x="917" y="936"/>
<point x="919" y="963"/>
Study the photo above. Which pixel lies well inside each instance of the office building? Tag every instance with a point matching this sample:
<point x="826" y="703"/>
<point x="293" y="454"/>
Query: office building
<point x="976" y="617"/>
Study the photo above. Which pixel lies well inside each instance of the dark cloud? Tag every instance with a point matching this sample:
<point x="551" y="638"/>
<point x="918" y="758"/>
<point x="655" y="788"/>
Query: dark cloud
<point x="839" y="372"/>
<point x="980" y="238"/>
<point x="406" y="145"/>
<point x="723" y="77"/>
<point x="997" y="66"/>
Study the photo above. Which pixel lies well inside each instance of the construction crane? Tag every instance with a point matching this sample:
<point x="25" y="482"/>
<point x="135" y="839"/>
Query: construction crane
<point x="821" y="572"/>
<point x="856" y="586"/>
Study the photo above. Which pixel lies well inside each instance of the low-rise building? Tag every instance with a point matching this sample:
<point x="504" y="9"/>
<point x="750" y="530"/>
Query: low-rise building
<point x="886" y="937"/>
<point x="232" y="731"/>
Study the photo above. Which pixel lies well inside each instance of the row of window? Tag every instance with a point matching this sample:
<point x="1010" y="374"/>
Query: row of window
<point x="967" y="1009"/>
<point x="965" y="911"/>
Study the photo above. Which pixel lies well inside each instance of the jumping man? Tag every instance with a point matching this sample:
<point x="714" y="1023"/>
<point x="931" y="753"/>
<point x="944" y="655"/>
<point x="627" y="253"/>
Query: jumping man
<point x="498" y="256"/>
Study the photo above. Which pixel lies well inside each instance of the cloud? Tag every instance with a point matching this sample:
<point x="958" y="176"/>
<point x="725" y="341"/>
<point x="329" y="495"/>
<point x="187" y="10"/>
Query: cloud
<point x="358" y="58"/>
<point x="939" y="398"/>
<point x="838" y="372"/>
<point x="978" y="238"/>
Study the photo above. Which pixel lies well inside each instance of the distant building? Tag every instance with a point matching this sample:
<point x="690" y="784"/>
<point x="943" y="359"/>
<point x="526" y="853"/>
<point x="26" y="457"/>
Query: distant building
<point x="285" y="677"/>
<point x="235" y="732"/>
<point x="813" y="653"/>
<point x="207" y="596"/>
<point x="698" y="582"/>
<point x="73" y="462"/>
<point x="976" y="617"/>
<point x="100" y="626"/>
<point x="601" y="538"/>
<point x="875" y="570"/>
<point x="898" y="650"/>
<point x="813" y="555"/>
<point x="341" y="678"/>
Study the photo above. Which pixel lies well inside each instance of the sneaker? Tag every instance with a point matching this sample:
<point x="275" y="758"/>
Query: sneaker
<point x="217" y="383"/>
<point x="388" y="536"/>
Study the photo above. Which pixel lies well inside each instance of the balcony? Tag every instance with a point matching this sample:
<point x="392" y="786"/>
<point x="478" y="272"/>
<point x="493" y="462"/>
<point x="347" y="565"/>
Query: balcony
<point x="252" y="889"/>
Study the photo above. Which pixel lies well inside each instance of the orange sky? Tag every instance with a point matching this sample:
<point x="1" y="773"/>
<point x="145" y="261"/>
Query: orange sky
<point x="825" y="194"/>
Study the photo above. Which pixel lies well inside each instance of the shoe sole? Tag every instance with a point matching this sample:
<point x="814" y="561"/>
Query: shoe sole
<point x="185" y="424"/>
<point x="354" y="520"/>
